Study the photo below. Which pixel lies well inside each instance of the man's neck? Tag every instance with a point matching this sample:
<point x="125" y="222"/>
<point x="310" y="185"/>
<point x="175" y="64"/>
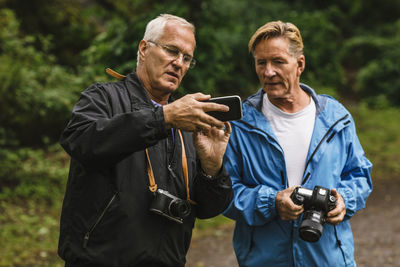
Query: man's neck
<point x="160" y="99"/>
<point x="291" y="103"/>
<point x="158" y="96"/>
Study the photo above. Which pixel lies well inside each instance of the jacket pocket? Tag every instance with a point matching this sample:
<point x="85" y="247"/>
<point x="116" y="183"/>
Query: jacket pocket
<point x="243" y="239"/>
<point x="98" y="220"/>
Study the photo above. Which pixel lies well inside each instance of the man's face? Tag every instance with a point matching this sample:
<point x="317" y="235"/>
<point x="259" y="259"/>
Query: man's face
<point x="163" y="72"/>
<point x="278" y="71"/>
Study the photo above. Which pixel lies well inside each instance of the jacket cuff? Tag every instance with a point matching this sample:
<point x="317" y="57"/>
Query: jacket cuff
<point x="349" y="200"/>
<point x="222" y="177"/>
<point x="159" y="123"/>
<point x="265" y="202"/>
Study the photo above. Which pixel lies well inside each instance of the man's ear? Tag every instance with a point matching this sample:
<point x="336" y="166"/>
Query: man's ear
<point x="301" y="65"/>
<point x="143" y="46"/>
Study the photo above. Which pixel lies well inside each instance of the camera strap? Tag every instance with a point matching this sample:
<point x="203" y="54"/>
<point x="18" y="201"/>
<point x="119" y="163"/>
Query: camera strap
<point x="115" y="74"/>
<point x="153" y="185"/>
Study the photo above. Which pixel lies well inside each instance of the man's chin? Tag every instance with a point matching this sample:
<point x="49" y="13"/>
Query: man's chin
<point x="273" y="86"/>
<point x="170" y="87"/>
<point x="271" y="89"/>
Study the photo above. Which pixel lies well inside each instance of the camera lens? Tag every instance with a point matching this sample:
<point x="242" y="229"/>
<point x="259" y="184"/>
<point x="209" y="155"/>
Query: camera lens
<point x="311" y="227"/>
<point x="179" y="208"/>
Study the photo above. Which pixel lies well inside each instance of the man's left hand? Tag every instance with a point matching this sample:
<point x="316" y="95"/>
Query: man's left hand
<point x="210" y="146"/>
<point x="336" y="215"/>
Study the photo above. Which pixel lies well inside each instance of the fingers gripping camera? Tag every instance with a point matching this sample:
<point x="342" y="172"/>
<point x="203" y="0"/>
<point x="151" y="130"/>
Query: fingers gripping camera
<point x="317" y="203"/>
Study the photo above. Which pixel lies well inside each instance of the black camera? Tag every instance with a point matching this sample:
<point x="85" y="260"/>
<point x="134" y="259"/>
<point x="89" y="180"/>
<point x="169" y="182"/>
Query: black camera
<point x="170" y="206"/>
<point x="317" y="203"/>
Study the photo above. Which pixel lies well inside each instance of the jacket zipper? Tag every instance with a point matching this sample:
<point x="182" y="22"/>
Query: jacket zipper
<point x="339" y="243"/>
<point x="320" y="143"/>
<point x="87" y="235"/>
<point x="283" y="179"/>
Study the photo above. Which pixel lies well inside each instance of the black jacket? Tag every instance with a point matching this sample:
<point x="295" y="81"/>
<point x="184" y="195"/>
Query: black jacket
<point x="105" y="218"/>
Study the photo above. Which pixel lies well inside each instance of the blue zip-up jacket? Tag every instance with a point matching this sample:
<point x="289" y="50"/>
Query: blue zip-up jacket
<point x="256" y="164"/>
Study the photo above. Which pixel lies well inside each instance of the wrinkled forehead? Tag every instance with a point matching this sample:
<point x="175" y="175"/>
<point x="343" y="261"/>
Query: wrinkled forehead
<point x="180" y="36"/>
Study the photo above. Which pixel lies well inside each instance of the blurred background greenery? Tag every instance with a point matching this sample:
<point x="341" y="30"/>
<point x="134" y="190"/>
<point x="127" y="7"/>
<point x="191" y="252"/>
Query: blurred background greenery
<point x="52" y="50"/>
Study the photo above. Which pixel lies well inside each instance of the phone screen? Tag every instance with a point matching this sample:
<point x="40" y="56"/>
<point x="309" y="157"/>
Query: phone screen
<point x="235" y="108"/>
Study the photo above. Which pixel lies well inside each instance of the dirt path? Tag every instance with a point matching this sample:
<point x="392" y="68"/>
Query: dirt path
<point x="376" y="234"/>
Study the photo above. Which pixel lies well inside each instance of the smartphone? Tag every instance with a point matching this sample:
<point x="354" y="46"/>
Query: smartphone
<point x="235" y="108"/>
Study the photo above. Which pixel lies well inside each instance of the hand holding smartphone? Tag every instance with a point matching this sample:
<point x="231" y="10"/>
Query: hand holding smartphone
<point x="235" y="108"/>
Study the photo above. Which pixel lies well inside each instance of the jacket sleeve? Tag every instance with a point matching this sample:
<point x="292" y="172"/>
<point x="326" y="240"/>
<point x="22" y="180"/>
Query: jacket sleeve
<point x="212" y="195"/>
<point x="355" y="185"/>
<point x="252" y="204"/>
<point x="95" y="135"/>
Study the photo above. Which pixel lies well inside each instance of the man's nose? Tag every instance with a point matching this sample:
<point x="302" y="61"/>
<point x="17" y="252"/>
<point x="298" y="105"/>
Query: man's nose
<point x="178" y="61"/>
<point x="269" y="71"/>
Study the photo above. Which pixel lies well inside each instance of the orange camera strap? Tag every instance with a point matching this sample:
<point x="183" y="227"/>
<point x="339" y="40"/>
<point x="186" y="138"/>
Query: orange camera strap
<point x="153" y="185"/>
<point x="115" y="74"/>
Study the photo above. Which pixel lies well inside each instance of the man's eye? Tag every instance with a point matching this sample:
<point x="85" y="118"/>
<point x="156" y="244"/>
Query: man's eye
<point x="278" y="61"/>
<point x="261" y="62"/>
<point x="172" y="51"/>
<point x="187" y="58"/>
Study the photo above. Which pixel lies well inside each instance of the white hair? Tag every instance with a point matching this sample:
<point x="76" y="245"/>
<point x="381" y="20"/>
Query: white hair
<point x="155" y="27"/>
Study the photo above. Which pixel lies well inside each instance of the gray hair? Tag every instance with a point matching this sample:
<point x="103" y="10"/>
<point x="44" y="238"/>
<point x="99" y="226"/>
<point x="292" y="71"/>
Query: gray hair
<point x="155" y="27"/>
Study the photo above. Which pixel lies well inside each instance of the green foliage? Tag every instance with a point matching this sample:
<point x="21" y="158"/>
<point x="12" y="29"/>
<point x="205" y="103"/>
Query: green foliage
<point x="68" y="24"/>
<point x="212" y="222"/>
<point x="378" y="130"/>
<point x="28" y="234"/>
<point x="36" y="94"/>
<point x="29" y="173"/>
<point x="322" y="39"/>
<point x="211" y="226"/>
<point x="380" y="78"/>
<point x="32" y="183"/>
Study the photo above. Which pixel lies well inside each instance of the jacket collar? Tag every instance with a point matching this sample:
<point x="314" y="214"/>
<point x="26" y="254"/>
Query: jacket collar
<point x="136" y="89"/>
<point x="256" y="100"/>
<point x="253" y="105"/>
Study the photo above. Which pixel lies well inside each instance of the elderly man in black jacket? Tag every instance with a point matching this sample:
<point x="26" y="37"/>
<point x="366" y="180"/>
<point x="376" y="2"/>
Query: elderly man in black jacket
<point x="143" y="166"/>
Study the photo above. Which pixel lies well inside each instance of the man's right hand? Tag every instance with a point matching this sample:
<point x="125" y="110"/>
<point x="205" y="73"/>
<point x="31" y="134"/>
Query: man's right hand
<point x="285" y="207"/>
<point x="189" y="113"/>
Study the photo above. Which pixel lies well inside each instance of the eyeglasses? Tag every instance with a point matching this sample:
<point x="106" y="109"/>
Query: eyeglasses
<point x="174" y="53"/>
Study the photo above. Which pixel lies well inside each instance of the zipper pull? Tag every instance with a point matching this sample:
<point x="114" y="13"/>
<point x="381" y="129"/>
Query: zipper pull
<point x="86" y="240"/>
<point x="171" y="171"/>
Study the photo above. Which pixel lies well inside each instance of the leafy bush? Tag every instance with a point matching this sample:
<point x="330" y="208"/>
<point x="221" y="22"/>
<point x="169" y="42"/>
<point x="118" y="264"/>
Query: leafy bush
<point x="373" y="69"/>
<point x="381" y="76"/>
<point x="35" y="174"/>
<point x="36" y="95"/>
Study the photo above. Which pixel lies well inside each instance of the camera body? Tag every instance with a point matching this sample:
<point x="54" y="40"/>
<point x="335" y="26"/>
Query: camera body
<point x="317" y="203"/>
<point x="170" y="206"/>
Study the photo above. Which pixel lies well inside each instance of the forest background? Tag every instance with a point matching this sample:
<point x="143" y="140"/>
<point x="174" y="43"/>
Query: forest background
<point x="50" y="51"/>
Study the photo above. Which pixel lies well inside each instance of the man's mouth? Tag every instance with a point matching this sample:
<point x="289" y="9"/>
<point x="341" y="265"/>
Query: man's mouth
<point x="173" y="74"/>
<point x="271" y="83"/>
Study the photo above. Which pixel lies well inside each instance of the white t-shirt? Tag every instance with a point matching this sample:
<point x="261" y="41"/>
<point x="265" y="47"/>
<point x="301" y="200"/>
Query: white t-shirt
<point x="294" y="131"/>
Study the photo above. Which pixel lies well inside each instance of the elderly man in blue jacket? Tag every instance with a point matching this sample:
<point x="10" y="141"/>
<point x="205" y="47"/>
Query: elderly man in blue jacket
<point x="289" y="137"/>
